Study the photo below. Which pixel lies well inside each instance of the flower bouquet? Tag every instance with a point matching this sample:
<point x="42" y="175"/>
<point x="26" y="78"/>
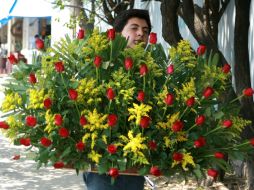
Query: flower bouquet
<point x="92" y="101"/>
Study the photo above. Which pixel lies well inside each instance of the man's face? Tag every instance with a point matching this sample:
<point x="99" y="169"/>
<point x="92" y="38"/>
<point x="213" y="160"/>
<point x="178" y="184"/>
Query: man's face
<point x="136" y="30"/>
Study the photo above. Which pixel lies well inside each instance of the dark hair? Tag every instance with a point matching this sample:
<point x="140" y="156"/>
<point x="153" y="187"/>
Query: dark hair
<point x="123" y="17"/>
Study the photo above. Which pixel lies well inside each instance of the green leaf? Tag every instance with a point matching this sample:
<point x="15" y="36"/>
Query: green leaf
<point x="144" y="170"/>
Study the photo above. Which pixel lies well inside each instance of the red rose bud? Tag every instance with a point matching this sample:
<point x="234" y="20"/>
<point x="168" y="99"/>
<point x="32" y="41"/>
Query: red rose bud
<point x="252" y="141"/>
<point x="141" y="96"/>
<point x="190" y="102"/>
<point x="4" y="125"/>
<point x="248" y="92"/>
<point x="80" y="146"/>
<point x="81" y="34"/>
<point x="32" y="78"/>
<point x="113" y="172"/>
<point x="143" y="70"/>
<point x="153" y="38"/>
<point x="47" y="103"/>
<point x="110" y="94"/>
<point x="170" y="69"/>
<point x="97" y="61"/>
<point x="227" y="123"/>
<point x="128" y="63"/>
<point x="208" y="92"/>
<point x="169" y="100"/>
<point x="111" y="149"/>
<point x="219" y="155"/>
<point x="58" y="165"/>
<point x="59" y="67"/>
<point x="213" y="173"/>
<point x="73" y="94"/>
<point x="46" y="142"/>
<point x="82" y="120"/>
<point x="226" y="68"/>
<point x="39" y="43"/>
<point x="112" y="120"/>
<point x="144" y="122"/>
<point x="25" y="141"/>
<point x="177" y="126"/>
<point x="63" y="132"/>
<point x="201" y="50"/>
<point x="152" y="145"/>
<point x="154" y="170"/>
<point x="200" y="120"/>
<point x="58" y="120"/>
<point x="200" y="142"/>
<point x="16" y="157"/>
<point x="177" y="156"/>
<point x="111" y="34"/>
<point x="12" y="59"/>
<point x="31" y="121"/>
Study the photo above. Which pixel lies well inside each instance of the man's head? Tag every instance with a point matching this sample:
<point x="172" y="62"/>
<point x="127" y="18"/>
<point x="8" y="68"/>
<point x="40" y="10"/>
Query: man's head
<point x="134" y="24"/>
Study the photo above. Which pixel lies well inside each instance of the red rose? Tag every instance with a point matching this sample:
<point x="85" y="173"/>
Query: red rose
<point x="200" y="142"/>
<point x="58" y="120"/>
<point x="110" y="94"/>
<point x="112" y="120"/>
<point x="227" y="123"/>
<point x="81" y="34"/>
<point x="97" y="61"/>
<point x="82" y="120"/>
<point x="248" y="92"/>
<point x="45" y="141"/>
<point x="152" y="145"/>
<point x="128" y="63"/>
<point x="177" y="126"/>
<point x="16" y="157"/>
<point x="47" y="103"/>
<point x="59" y="66"/>
<point x="143" y="70"/>
<point x="12" y="59"/>
<point x="226" y="68"/>
<point x="170" y="69"/>
<point x="252" y="141"/>
<point x="213" y="173"/>
<point x="208" y="92"/>
<point x="200" y="120"/>
<point x="141" y="96"/>
<point x="4" y="125"/>
<point x="80" y="146"/>
<point x="201" y="50"/>
<point x="63" y="132"/>
<point x="154" y="170"/>
<point x="32" y="78"/>
<point x="144" y="122"/>
<point x="73" y="94"/>
<point x="177" y="156"/>
<point x="58" y="165"/>
<point x="113" y="172"/>
<point x="25" y="141"/>
<point x="31" y="121"/>
<point x="190" y="102"/>
<point x="153" y="38"/>
<point x="39" y="43"/>
<point x="112" y="149"/>
<point x="169" y="100"/>
<point x="111" y="34"/>
<point x="219" y="155"/>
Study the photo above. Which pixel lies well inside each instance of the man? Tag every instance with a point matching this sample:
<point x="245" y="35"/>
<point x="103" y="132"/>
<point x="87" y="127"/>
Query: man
<point x="135" y="25"/>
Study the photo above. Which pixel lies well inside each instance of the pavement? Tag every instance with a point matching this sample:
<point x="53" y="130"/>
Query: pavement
<point x="22" y="173"/>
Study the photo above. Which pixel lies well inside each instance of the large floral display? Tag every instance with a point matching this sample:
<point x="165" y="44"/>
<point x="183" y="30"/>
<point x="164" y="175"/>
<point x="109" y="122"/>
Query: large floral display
<point x="91" y="101"/>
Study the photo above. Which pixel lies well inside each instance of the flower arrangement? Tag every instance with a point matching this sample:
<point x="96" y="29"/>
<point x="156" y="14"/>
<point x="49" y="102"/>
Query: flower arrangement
<point x="92" y="101"/>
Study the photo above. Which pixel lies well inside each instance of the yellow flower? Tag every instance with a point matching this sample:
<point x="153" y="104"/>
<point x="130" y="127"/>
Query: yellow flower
<point x="170" y="120"/>
<point x="181" y="136"/>
<point x="85" y="137"/>
<point x="95" y="121"/>
<point x="161" y="97"/>
<point x="36" y="98"/>
<point x="11" y="102"/>
<point x="104" y="139"/>
<point x="187" y="159"/>
<point x="15" y="123"/>
<point x="94" y="156"/>
<point x="50" y="119"/>
<point x="188" y="90"/>
<point x="138" y="111"/>
<point x="167" y="142"/>
<point x="93" y="137"/>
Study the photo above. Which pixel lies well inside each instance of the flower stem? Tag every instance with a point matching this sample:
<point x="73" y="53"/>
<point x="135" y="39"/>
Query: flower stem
<point x="191" y="127"/>
<point x="144" y="83"/>
<point x="215" y="129"/>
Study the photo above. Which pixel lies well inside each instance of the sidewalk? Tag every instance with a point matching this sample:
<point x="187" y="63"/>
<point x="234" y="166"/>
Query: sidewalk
<point x="22" y="174"/>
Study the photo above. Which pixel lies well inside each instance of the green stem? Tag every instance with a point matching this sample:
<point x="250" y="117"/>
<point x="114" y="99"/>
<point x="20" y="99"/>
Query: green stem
<point x="215" y="129"/>
<point x="191" y="127"/>
<point x="97" y="75"/>
<point x="237" y="98"/>
<point x="164" y="112"/>
<point x="144" y="83"/>
<point x="183" y="112"/>
<point x="109" y="105"/>
<point x="111" y="49"/>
